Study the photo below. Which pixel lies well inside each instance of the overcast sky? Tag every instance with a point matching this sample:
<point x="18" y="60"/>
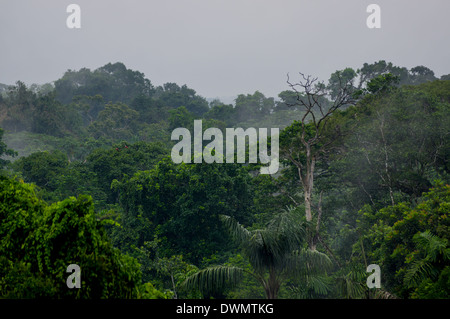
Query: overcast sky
<point x="220" y="47"/>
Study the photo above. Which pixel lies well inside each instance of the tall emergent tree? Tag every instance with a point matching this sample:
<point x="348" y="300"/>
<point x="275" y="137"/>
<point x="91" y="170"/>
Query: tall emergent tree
<point x="307" y="140"/>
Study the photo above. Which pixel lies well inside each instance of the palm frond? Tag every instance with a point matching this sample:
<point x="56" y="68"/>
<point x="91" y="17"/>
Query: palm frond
<point x="311" y="287"/>
<point x="351" y="286"/>
<point x="264" y="250"/>
<point x="289" y="228"/>
<point x="432" y="245"/>
<point x="214" y="279"/>
<point x="239" y="233"/>
<point x="320" y="284"/>
<point x="310" y="260"/>
<point x="418" y="271"/>
<point x="432" y="248"/>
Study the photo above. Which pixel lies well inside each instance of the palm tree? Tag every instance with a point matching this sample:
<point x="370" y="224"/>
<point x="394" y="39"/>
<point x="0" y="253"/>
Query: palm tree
<point x="275" y="254"/>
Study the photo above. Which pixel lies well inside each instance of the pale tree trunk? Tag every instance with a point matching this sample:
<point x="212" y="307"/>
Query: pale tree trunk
<point x="316" y="237"/>
<point x="308" y="184"/>
<point x="306" y="176"/>
<point x="388" y="180"/>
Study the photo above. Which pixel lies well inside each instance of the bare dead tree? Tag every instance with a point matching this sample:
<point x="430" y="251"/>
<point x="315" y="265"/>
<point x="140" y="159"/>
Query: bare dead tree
<point x="312" y="142"/>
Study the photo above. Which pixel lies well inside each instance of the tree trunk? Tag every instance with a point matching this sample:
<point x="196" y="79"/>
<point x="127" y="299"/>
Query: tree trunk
<point x="272" y="286"/>
<point x="308" y="186"/>
<point x="174" y="287"/>
<point x="386" y="162"/>
<point x="308" y="181"/>
<point x="315" y="237"/>
<point x="308" y="205"/>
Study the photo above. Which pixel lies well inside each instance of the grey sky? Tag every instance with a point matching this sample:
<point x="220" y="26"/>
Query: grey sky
<point x="220" y="47"/>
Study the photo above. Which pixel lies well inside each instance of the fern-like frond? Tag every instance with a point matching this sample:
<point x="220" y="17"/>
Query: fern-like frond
<point x="320" y="284"/>
<point x="307" y="262"/>
<point x="432" y="245"/>
<point x="214" y="279"/>
<point x="418" y="271"/>
<point x="239" y="233"/>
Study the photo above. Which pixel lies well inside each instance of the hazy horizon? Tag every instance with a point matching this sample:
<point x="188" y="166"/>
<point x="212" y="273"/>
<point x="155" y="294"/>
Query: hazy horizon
<point x="220" y="48"/>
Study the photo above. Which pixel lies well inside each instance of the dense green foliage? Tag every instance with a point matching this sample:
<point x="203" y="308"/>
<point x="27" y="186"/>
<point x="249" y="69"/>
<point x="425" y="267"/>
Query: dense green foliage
<point x="181" y="204"/>
<point x="39" y="241"/>
<point x="87" y="178"/>
<point x="411" y="243"/>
